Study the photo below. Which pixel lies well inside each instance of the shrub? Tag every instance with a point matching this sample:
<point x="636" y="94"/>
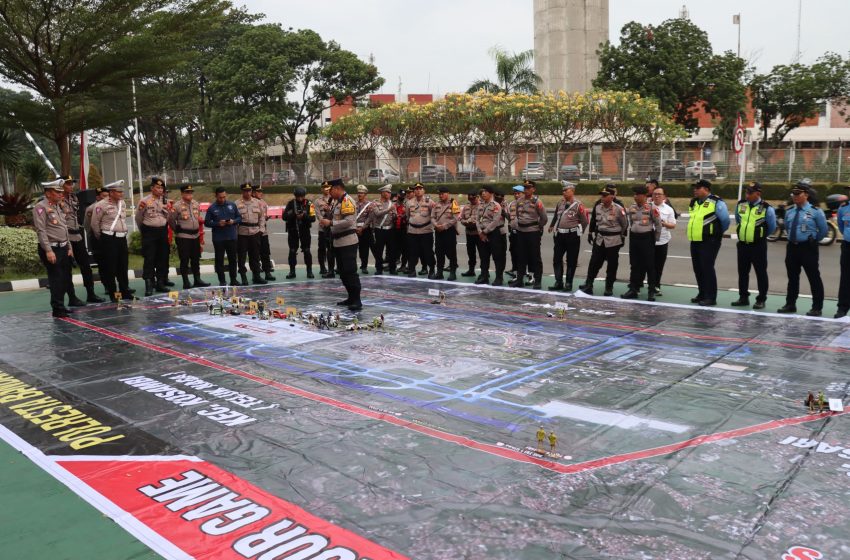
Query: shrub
<point x="19" y="251"/>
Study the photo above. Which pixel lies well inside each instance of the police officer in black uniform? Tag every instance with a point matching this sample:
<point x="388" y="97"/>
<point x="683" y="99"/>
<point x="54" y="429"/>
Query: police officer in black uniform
<point x="299" y="216"/>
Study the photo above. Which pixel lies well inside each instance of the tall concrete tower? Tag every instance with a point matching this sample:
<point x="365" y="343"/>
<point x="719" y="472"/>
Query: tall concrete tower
<point x="566" y="36"/>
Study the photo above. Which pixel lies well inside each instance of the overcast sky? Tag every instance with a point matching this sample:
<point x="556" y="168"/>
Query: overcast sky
<point x="438" y="46"/>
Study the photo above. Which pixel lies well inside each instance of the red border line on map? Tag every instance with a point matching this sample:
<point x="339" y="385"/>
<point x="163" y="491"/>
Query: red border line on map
<point x="461" y="440"/>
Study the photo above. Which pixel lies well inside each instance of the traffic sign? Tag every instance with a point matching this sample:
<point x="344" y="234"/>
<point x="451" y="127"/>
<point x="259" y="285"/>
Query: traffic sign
<point x="738" y="137"/>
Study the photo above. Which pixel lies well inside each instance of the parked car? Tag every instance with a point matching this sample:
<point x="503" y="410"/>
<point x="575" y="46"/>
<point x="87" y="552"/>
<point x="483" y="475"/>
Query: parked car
<point x="534" y="170"/>
<point x="435" y="174"/>
<point x="569" y="173"/>
<point x="285" y="177"/>
<point x="673" y="169"/>
<point x="267" y="180"/>
<point x="467" y="175"/>
<point x="382" y="176"/>
<point x="705" y="168"/>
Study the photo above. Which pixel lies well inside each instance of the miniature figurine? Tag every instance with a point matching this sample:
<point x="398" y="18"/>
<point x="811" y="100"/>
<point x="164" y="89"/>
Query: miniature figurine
<point x="541" y="435"/>
<point x="810" y="402"/>
<point x="821" y="401"/>
<point x="553" y="441"/>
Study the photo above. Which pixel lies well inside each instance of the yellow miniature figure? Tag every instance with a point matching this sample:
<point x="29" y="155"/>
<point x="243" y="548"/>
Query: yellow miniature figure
<point x="553" y="441"/>
<point x="821" y="401"/>
<point x="541" y="436"/>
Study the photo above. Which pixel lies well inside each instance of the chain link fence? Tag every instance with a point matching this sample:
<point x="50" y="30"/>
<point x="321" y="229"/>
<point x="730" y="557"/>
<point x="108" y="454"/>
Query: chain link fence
<point x="783" y="165"/>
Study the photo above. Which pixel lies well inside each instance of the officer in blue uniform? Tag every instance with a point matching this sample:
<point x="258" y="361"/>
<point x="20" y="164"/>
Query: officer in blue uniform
<point x="844" y="284"/>
<point x="756" y="220"/>
<point x="709" y="218"/>
<point x="223" y="218"/>
<point x="806" y="227"/>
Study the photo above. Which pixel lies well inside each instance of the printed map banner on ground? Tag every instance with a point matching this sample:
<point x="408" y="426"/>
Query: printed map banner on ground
<point x="666" y="432"/>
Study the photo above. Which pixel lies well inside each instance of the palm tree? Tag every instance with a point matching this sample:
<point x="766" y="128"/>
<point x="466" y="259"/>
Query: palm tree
<point x="10" y="157"/>
<point x="31" y="174"/>
<point x="513" y="73"/>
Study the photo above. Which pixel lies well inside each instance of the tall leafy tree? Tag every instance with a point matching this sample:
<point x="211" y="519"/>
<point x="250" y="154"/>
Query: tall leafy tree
<point x="674" y="64"/>
<point x="11" y="152"/>
<point x="792" y="93"/>
<point x="514" y="73"/>
<point x="78" y="57"/>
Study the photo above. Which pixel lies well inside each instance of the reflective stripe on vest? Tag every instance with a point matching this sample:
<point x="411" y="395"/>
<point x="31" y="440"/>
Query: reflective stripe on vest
<point x="701" y="222"/>
<point x="753" y="224"/>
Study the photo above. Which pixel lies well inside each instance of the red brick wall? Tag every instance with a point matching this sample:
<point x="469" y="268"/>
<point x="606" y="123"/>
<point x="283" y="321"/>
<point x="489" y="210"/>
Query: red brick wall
<point x="381" y="98"/>
<point x="341" y="109"/>
<point x="420" y="98"/>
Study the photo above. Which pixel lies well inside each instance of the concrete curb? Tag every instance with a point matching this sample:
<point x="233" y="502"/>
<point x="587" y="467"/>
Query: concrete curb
<point x="77" y="279"/>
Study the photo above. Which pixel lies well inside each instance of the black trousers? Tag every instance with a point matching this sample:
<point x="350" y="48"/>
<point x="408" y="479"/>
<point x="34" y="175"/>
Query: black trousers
<point x="222" y="248"/>
<point x="804" y="256"/>
<point x="326" y="251"/>
<point x="189" y="251"/>
<point x="642" y="260"/>
<point x="81" y="256"/>
<point x="660" y="261"/>
<point x="527" y="254"/>
<point x="266" y="254"/>
<point x="844" y="282"/>
<point x="446" y="245"/>
<point x="385" y="242"/>
<point x="58" y="275"/>
<point x="752" y="255"/>
<point x="113" y="264"/>
<point x="703" y="256"/>
<point x="471" y="249"/>
<point x="299" y="238"/>
<point x="494" y="247"/>
<point x="364" y="245"/>
<point x="599" y="255"/>
<point x="420" y="246"/>
<point x="155" y="252"/>
<point x="398" y="240"/>
<point x="248" y="247"/>
<point x="568" y="244"/>
<point x="346" y="261"/>
<point x="512" y="247"/>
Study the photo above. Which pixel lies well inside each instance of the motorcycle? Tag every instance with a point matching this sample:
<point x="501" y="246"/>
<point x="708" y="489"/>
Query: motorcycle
<point x="782" y="234"/>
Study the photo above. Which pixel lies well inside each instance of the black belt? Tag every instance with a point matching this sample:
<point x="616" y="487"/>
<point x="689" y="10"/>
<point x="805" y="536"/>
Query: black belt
<point x="417" y="226"/>
<point x="245" y="224"/>
<point x="179" y="229"/>
<point x="74" y="231"/>
<point x="528" y="224"/>
<point x="145" y="226"/>
<point x="343" y="233"/>
<point x="610" y="233"/>
<point x="642" y="233"/>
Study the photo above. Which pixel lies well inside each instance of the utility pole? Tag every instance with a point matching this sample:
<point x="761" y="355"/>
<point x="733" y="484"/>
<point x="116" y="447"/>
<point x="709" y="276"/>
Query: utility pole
<point x="736" y="20"/>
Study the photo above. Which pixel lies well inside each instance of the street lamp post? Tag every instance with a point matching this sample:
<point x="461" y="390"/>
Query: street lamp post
<point x="736" y="20"/>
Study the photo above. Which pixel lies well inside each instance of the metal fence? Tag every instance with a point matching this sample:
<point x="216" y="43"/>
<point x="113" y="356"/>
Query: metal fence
<point x="821" y="165"/>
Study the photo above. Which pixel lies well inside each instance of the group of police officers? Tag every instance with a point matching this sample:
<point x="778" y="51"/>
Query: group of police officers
<point x="408" y="229"/>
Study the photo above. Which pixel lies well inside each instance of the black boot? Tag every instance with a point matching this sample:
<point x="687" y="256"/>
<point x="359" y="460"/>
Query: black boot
<point x="439" y="275"/>
<point x="161" y="288"/>
<point x="291" y="274"/>
<point x="483" y="279"/>
<point x="469" y="273"/>
<point x="559" y="285"/>
<point x="587" y="287"/>
<point x="310" y="272"/>
<point x="148" y="287"/>
<point x="269" y="277"/>
<point x="497" y="280"/>
<point x="167" y="283"/>
<point x="235" y="282"/>
<point x="452" y="274"/>
<point x="431" y="274"/>
<point x="186" y="284"/>
<point x="257" y="279"/>
<point x="630" y="294"/>
<point x="244" y="277"/>
<point x="568" y="285"/>
<point x="221" y="280"/>
<point x="609" y="289"/>
<point x="74" y="301"/>
<point x="199" y="283"/>
<point x="92" y="297"/>
<point x="518" y="283"/>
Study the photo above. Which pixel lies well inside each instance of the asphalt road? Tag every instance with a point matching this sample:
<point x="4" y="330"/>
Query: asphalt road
<point x="677" y="270"/>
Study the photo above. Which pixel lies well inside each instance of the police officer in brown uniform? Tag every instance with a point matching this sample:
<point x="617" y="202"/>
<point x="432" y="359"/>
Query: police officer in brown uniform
<point x="444" y="215"/>
<point x="381" y="220"/>
<point x="467" y="219"/>
<point x="54" y="248"/>
<point x="644" y="231"/>
<point x="265" y="247"/>
<point x="420" y="231"/>
<point x="325" y="252"/>
<point x="110" y="230"/>
<point x="185" y="222"/>
<point x="489" y="220"/>
<point x="71" y="208"/>
<point x="608" y="228"/>
<point x="568" y="223"/>
<point x="364" y="228"/>
<point x="152" y="221"/>
<point x="345" y="241"/>
<point x="249" y="231"/>
<point x="531" y="218"/>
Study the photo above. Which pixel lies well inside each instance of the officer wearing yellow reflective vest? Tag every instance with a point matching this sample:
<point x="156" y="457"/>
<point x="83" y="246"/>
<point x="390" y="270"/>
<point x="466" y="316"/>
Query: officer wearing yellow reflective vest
<point x="756" y="220"/>
<point x="709" y="218"/>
